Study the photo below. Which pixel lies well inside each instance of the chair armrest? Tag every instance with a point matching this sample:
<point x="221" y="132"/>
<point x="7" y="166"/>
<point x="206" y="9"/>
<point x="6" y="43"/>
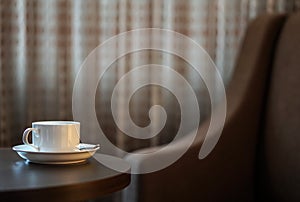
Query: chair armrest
<point x="140" y="163"/>
<point x="218" y="177"/>
<point x="187" y="176"/>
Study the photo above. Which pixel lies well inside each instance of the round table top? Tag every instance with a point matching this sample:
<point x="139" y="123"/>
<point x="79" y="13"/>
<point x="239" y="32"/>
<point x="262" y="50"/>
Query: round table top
<point x="21" y="180"/>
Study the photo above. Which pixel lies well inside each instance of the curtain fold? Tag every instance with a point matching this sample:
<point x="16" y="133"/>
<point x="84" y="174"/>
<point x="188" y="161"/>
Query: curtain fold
<point x="44" y="43"/>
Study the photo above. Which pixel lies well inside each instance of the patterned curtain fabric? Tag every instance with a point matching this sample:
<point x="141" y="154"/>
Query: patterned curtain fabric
<point x="44" y="43"/>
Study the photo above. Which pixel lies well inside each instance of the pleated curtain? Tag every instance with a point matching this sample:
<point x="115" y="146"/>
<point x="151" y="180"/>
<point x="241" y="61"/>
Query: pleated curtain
<point x="44" y="43"/>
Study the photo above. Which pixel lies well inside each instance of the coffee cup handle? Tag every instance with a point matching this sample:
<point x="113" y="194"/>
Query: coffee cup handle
<point x="26" y="135"/>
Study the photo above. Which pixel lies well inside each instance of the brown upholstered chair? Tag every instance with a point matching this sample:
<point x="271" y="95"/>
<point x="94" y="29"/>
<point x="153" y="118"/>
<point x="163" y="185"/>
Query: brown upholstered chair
<point x="258" y="154"/>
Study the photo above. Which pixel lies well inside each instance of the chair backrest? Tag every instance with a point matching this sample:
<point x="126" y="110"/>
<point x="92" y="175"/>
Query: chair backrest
<point x="227" y="173"/>
<point x="280" y="154"/>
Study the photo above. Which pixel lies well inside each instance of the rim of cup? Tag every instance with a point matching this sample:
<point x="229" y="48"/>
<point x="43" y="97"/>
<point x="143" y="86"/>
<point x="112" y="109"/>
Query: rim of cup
<point x="56" y="122"/>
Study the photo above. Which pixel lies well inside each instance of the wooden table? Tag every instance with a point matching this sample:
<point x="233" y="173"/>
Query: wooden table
<point x="24" y="181"/>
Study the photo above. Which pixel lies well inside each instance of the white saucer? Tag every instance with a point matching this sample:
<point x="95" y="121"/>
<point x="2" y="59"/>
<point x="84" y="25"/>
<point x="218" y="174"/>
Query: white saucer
<point x="67" y="157"/>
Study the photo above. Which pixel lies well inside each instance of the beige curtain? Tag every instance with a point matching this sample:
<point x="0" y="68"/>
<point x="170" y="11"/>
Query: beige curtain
<point x="44" y="43"/>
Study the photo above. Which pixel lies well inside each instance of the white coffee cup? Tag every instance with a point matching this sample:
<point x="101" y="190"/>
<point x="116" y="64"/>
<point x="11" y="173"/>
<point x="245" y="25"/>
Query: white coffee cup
<point x="53" y="136"/>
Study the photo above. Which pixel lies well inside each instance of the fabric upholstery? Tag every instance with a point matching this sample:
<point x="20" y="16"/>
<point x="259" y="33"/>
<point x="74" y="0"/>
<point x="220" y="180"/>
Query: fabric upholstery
<point x="280" y="162"/>
<point x="228" y="173"/>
